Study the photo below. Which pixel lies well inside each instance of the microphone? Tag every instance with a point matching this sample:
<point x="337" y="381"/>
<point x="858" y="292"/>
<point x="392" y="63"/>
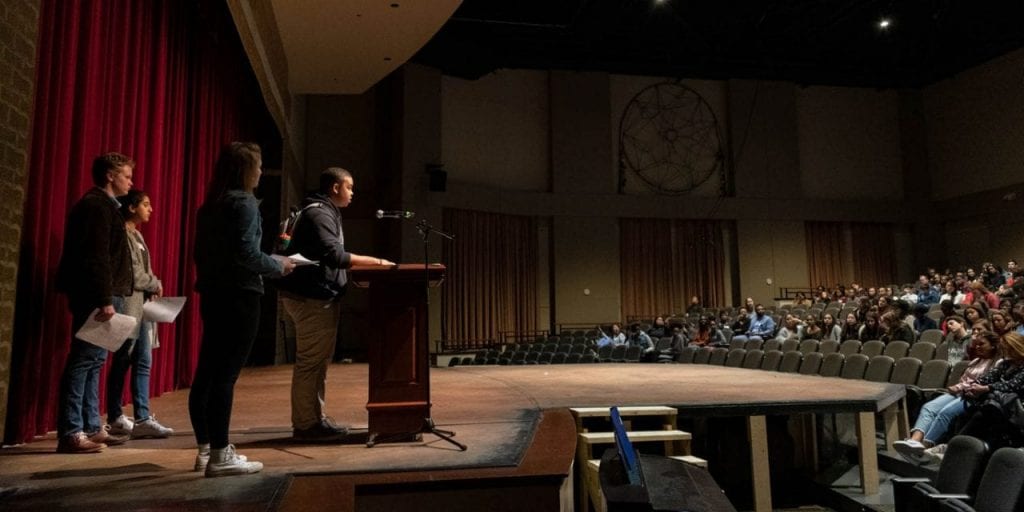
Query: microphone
<point x="395" y="214"/>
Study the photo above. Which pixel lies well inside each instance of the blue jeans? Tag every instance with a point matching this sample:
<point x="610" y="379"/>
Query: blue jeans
<point x="139" y="354"/>
<point x="78" y="408"/>
<point x="937" y="414"/>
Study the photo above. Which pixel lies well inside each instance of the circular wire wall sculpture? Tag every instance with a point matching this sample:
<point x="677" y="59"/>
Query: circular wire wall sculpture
<point x="669" y="139"/>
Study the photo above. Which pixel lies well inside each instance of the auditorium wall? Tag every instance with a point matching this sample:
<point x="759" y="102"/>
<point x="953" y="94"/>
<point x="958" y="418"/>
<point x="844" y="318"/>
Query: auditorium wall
<point x="975" y="128"/>
<point x="545" y="144"/>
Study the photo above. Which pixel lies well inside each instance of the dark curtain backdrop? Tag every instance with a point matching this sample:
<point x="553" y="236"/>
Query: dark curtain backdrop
<point x="825" y="250"/>
<point x="165" y="82"/>
<point x="874" y="254"/>
<point x="665" y="262"/>
<point x="491" y="285"/>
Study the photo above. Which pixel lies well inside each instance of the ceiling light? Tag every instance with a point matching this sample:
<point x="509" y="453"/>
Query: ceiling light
<point x="884" y="23"/>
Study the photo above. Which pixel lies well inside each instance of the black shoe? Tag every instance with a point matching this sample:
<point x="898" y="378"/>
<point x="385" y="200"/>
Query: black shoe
<point x="323" y="432"/>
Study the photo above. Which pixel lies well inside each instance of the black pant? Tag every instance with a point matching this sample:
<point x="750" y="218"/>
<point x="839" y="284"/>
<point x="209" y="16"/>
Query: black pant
<point x="230" y="322"/>
<point x="989" y="425"/>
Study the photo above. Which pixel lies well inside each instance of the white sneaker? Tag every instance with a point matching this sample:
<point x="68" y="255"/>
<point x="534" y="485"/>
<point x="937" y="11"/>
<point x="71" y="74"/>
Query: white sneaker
<point x="122" y="426"/>
<point x="226" y="462"/>
<point x="910" y="449"/>
<point x="203" y="459"/>
<point x="151" y="428"/>
<point x="935" y="453"/>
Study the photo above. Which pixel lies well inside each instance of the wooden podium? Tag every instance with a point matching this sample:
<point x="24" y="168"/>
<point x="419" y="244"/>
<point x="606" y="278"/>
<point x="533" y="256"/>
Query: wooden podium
<point x="399" y="349"/>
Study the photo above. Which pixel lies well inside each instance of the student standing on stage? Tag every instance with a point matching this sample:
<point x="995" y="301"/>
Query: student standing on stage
<point x="138" y="350"/>
<point x="95" y="272"/>
<point x="311" y="297"/>
<point x="230" y="268"/>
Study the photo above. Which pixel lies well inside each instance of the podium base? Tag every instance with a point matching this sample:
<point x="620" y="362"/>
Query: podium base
<point x="416" y="435"/>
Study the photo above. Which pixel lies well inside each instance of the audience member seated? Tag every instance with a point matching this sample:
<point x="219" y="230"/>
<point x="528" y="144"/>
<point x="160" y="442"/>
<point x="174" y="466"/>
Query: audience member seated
<point x="894" y="328"/>
<point x="926" y="293"/>
<point x="979" y="294"/>
<point x="614" y="337"/>
<point x="921" y="321"/>
<point x="1001" y="322"/>
<point x="975" y="313"/>
<point x="638" y="338"/>
<point x="658" y="328"/>
<point x="791" y="327"/>
<point x="811" y="329"/>
<point x="801" y="300"/>
<point x="988" y="421"/>
<point x="830" y="329"/>
<point x="951" y="293"/>
<point x="872" y="328"/>
<point x="958" y="339"/>
<point x="909" y="295"/>
<point x="761" y="324"/>
<point x="933" y="423"/>
<point x="851" y="328"/>
<point x="707" y="335"/>
<point x="948" y="310"/>
<point x="742" y="323"/>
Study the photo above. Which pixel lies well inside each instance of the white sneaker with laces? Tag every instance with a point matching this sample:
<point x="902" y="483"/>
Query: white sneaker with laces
<point x="149" y="427"/>
<point x="226" y="462"/>
<point x="910" y="449"/>
<point x="935" y="453"/>
<point x="122" y="426"/>
<point x="203" y="458"/>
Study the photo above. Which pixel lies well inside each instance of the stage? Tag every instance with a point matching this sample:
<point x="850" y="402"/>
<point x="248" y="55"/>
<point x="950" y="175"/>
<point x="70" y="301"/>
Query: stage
<point x="514" y="420"/>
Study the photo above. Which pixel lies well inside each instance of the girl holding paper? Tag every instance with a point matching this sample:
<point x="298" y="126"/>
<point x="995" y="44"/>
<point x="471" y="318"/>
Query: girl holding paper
<point x="137" y="352"/>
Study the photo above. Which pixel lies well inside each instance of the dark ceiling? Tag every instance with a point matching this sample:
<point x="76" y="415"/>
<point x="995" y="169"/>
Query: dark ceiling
<point x="811" y="42"/>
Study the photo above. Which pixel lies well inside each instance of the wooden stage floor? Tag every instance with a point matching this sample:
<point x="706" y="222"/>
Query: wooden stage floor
<point x="513" y="418"/>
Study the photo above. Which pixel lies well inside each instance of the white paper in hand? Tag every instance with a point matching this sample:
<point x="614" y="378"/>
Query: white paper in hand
<point x="301" y="260"/>
<point x="110" y="334"/>
<point x="162" y="309"/>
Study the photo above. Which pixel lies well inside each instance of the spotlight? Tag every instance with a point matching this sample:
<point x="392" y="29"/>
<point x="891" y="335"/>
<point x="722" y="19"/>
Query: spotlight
<point x="884" y="23"/>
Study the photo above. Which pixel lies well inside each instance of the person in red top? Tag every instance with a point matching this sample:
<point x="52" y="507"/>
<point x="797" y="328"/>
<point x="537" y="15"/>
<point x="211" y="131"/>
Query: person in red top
<point x="979" y="293"/>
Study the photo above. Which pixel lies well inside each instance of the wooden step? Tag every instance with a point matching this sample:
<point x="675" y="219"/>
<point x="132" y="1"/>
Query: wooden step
<point x="641" y="410"/>
<point x="595" y="464"/>
<point x="640" y="436"/>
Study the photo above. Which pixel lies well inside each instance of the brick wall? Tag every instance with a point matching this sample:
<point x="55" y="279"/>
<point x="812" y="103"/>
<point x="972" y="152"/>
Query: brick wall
<point x="19" y="21"/>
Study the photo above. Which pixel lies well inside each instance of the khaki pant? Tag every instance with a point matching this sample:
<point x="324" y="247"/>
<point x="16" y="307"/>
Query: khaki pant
<point x="316" y="329"/>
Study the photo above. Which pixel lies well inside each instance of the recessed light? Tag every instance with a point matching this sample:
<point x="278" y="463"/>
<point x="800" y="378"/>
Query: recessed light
<point x="394" y="5"/>
<point x="884" y="23"/>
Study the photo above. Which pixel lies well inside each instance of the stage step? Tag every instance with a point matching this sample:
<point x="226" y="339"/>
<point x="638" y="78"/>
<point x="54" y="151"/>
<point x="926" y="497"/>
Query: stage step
<point x="677" y="443"/>
<point x="641" y="436"/>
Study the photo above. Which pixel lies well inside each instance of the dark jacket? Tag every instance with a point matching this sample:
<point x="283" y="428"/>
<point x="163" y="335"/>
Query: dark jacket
<point x="95" y="262"/>
<point x="318" y="236"/>
<point x="227" y="252"/>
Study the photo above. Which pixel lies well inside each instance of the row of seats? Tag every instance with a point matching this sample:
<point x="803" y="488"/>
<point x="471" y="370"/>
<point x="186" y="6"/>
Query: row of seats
<point x="494" y="357"/>
<point x="923" y="350"/>
<point x="933" y="374"/>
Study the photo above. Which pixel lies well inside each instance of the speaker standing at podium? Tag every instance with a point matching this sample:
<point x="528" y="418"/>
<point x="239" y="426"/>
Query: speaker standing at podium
<point x="311" y="297"/>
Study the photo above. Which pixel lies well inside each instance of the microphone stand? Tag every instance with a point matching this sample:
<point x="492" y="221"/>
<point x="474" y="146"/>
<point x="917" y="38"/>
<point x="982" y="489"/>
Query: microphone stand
<point x="428" y="427"/>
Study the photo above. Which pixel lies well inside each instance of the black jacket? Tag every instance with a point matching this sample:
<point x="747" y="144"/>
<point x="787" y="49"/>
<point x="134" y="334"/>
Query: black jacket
<point x="318" y="236"/>
<point x="95" y="261"/>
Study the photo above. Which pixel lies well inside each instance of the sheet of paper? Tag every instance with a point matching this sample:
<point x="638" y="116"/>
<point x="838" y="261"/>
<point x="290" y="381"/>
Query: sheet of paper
<point x="302" y="260"/>
<point x="110" y="334"/>
<point x="162" y="309"/>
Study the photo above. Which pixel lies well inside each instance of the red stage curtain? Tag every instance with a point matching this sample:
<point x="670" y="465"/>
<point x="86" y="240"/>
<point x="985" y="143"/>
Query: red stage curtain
<point x="168" y="84"/>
